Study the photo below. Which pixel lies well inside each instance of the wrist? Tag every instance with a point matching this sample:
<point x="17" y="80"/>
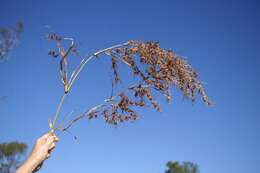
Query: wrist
<point x="30" y="164"/>
<point x="26" y="167"/>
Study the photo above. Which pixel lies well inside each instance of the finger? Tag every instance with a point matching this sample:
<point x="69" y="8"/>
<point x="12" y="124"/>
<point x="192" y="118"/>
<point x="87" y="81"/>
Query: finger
<point x="52" y="146"/>
<point x="56" y="138"/>
<point x="50" y="140"/>
<point x="45" y="136"/>
<point x="41" y="140"/>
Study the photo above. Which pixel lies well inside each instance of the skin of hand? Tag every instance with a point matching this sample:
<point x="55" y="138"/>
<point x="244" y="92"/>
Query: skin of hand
<point x="41" y="151"/>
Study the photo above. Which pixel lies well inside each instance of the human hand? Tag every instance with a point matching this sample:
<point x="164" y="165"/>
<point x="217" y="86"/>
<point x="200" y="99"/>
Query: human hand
<point x="41" y="151"/>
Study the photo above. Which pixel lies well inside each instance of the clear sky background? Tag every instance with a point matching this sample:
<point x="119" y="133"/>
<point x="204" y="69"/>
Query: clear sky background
<point x="220" y="38"/>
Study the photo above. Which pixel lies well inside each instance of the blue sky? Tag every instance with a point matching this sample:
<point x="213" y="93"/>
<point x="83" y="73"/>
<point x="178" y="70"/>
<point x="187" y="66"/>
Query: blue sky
<point x="221" y="40"/>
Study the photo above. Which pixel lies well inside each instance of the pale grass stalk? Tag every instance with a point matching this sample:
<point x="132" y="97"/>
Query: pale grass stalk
<point x="77" y="71"/>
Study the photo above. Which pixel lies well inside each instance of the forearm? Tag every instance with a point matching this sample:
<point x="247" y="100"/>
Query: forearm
<point x="29" y="166"/>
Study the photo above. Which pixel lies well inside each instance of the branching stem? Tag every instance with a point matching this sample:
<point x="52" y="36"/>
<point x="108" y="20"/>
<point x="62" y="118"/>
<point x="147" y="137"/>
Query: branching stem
<point x="74" y="77"/>
<point x="109" y="100"/>
<point x="87" y="59"/>
<point x="83" y="115"/>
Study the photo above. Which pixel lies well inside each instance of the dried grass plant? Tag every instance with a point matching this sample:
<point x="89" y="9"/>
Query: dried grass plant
<point x="156" y="69"/>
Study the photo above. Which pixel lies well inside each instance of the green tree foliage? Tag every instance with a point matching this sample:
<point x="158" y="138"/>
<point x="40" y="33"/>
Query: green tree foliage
<point x="185" y="167"/>
<point x="9" y="38"/>
<point x="10" y="156"/>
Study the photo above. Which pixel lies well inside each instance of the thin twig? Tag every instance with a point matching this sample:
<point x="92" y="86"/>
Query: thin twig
<point x="111" y="54"/>
<point x="78" y="70"/>
<point x="87" y="59"/>
<point x="96" y="108"/>
<point x="82" y="116"/>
